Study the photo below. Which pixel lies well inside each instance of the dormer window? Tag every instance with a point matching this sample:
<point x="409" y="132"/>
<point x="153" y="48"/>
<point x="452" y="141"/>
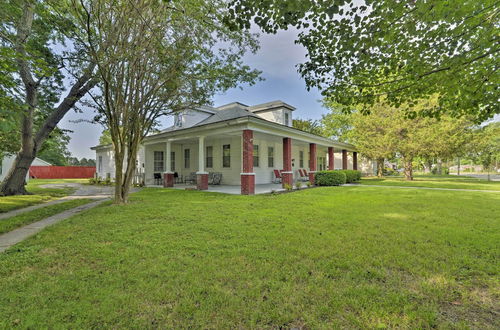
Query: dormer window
<point x="178" y="120"/>
<point x="286" y="118"/>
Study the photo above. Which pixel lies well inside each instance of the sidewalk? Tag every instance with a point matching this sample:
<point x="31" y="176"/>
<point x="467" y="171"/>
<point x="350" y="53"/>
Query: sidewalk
<point x="17" y="235"/>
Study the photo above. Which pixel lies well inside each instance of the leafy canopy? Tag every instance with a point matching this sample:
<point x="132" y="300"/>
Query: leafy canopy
<point x="360" y="52"/>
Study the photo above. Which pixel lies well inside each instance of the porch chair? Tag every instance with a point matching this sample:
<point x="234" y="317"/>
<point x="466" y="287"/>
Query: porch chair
<point x="191" y="178"/>
<point x="277" y="176"/>
<point x="302" y="175"/>
<point x="157" y="178"/>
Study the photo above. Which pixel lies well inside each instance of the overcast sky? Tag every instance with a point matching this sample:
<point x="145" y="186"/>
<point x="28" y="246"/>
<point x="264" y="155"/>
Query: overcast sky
<point x="277" y="59"/>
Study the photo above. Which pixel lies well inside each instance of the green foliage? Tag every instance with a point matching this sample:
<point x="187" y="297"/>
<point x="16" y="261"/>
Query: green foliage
<point x="402" y="51"/>
<point x="288" y="187"/>
<point x="485" y="145"/>
<point x="329" y="178"/>
<point x="105" y="138"/>
<point x="351" y="176"/>
<point x="298" y="185"/>
<point x="308" y="125"/>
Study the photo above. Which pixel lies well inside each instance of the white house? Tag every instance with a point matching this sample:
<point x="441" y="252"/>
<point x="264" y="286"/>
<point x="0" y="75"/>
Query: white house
<point x="237" y="143"/>
<point x="6" y="164"/>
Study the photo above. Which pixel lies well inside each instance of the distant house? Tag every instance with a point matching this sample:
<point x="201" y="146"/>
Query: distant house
<point x="235" y="144"/>
<point x="6" y="164"/>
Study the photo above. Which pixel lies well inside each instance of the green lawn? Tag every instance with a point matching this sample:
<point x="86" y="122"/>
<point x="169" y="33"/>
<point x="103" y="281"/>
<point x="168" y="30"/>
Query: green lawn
<point x="39" y="195"/>
<point x="435" y="181"/>
<point x="20" y="220"/>
<point x="351" y="257"/>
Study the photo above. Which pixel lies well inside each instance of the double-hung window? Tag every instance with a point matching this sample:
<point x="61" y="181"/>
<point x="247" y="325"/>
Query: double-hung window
<point x="187" y="158"/>
<point x="256" y="155"/>
<point x="158" y="161"/>
<point x="226" y="155"/>
<point x="172" y="160"/>
<point x="301" y="159"/>
<point x="209" y="157"/>
<point x="99" y="164"/>
<point x="270" y="156"/>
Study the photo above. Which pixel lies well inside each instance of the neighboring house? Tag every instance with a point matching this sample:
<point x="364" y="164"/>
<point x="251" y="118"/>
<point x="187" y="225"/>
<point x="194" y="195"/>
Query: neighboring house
<point x="245" y="144"/>
<point x="7" y="160"/>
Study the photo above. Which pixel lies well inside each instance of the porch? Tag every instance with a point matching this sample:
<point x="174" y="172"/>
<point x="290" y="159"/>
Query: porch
<point x="264" y="188"/>
<point x="245" y="161"/>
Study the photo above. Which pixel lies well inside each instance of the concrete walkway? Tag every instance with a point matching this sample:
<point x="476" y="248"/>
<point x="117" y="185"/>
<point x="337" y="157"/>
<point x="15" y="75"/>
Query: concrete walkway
<point x="81" y="192"/>
<point x="98" y="193"/>
<point x="425" y="188"/>
<point x="17" y="235"/>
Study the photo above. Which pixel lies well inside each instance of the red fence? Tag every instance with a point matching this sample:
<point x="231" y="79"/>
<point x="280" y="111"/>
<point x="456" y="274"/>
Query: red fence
<point x="62" y="172"/>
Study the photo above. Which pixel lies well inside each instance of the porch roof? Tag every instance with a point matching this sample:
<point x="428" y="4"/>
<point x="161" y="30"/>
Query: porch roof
<point x="249" y="121"/>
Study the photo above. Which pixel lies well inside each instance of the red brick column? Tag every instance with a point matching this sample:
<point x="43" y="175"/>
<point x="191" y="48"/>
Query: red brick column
<point x="202" y="181"/>
<point x="312" y="162"/>
<point x="331" y="159"/>
<point x="287" y="173"/>
<point x="168" y="179"/>
<point x="344" y="159"/>
<point x="247" y="176"/>
<point x="354" y="160"/>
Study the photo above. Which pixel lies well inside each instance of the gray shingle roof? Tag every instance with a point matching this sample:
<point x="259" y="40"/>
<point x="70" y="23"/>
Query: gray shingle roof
<point x="226" y="114"/>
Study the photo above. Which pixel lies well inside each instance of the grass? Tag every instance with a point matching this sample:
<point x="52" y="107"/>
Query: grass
<point x="435" y="181"/>
<point x="345" y="257"/>
<point x="26" y="218"/>
<point x="38" y="194"/>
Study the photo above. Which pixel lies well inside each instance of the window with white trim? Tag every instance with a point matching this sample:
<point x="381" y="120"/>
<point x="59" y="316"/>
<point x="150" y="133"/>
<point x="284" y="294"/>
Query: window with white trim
<point x="256" y="155"/>
<point x="187" y="158"/>
<point x="158" y="161"/>
<point x="270" y="156"/>
<point x="209" y="157"/>
<point x="226" y="155"/>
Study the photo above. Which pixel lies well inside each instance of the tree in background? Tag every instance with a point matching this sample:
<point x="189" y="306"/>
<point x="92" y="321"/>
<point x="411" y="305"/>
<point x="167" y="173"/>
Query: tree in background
<point x="398" y="52"/>
<point x="105" y="137"/>
<point x="338" y="122"/>
<point x="32" y="74"/>
<point x="387" y="132"/>
<point x="485" y="146"/>
<point x="155" y="58"/>
<point x="308" y="125"/>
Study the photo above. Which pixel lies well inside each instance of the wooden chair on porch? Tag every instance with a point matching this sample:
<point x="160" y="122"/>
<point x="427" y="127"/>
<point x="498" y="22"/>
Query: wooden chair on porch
<point x="277" y="176"/>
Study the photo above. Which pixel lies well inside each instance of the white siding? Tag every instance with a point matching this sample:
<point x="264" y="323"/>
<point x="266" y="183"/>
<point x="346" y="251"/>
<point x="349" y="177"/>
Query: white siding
<point x="277" y="116"/>
<point x="108" y="162"/>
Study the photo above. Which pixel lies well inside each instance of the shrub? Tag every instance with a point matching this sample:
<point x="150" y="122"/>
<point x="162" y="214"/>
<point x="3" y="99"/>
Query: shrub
<point x="387" y="171"/>
<point x="329" y="178"/>
<point x="298" y="185"/>
<point x="288" y="187"/>
<point x="352" y="175"/>
<point x="308" y="184"/>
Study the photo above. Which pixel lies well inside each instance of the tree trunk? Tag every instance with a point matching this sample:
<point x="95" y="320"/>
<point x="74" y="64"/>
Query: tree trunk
<point x="15" y="181"/>
<point x="408" y="162"/>
<point x="440" y="166"/>
<point x="118" y="177"/>
<point x="380" y="167"/>
<point x="458" y="166"/>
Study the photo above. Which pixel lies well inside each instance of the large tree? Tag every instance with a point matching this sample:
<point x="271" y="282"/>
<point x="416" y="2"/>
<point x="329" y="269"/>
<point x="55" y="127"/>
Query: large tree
<point x="485" y="146"/>
<point x="361" y="52"/>
<point x="155" y="58"/>
<point x="37" y="55"/>
<point x="386" y="132"/>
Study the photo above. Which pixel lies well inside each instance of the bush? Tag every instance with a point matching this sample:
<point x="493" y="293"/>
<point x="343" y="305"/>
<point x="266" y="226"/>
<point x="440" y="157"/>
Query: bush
<point x="387" y="171"/>
<point x="298" y="185"/>
<point x="329" y="178"/>
<point x="352" y="175"/>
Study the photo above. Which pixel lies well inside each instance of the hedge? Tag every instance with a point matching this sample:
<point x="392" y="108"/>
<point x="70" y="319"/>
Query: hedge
<point x="351" y="175"/>
<point x="329" y="178"/>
